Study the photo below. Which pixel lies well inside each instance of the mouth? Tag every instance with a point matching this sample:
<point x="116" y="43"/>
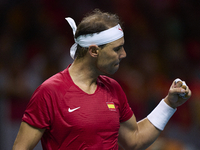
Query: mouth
<point x="117" y="64"/>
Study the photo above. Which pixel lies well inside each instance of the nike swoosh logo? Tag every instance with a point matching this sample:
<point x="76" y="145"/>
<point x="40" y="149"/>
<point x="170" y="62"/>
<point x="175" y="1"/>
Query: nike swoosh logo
<point x="71" y="110"/>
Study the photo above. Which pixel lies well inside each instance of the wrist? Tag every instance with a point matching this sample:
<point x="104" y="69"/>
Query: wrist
<point x="161" y="115"/>
<point x="166" y="100"/>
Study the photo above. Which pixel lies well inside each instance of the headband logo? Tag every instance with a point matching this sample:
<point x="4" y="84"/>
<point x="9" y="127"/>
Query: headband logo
<point x="120" y="29"/>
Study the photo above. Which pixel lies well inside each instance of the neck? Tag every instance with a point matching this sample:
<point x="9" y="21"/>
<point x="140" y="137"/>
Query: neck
<point x="84" y="75"/>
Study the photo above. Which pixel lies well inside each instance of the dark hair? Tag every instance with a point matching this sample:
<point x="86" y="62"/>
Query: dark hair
<point x="94" y="22"/>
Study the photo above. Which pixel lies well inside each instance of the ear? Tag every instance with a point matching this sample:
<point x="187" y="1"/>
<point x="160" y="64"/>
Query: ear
<point x="93" y="50"/>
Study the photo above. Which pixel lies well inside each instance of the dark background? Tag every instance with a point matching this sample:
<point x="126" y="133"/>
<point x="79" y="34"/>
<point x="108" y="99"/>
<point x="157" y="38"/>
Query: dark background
<point x="162" y="41"/>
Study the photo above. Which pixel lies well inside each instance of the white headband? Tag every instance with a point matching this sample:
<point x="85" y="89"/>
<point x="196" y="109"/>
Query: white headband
<point x="100" y="38"/>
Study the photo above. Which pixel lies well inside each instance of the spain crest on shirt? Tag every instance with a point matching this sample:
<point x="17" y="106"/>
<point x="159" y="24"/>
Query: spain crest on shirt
<point x="111" y="106"/>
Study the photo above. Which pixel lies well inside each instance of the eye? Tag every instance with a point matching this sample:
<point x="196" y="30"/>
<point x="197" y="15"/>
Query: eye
<point x="116" y="49"/>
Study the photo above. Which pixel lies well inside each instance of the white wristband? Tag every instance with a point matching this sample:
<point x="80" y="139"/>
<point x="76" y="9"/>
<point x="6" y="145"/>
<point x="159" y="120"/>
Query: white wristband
<point x="161" y="115"/>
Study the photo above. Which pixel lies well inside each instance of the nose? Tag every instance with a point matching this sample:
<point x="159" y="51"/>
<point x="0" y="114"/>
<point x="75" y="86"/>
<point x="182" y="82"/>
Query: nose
<point x="123" y="53"/>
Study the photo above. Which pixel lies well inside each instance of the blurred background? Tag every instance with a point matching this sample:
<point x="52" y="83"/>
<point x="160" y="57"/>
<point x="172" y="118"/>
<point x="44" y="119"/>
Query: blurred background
<point x="162" y="41"/>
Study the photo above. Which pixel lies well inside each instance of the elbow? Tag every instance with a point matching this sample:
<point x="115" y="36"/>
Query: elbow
<point x="135" y="146"/>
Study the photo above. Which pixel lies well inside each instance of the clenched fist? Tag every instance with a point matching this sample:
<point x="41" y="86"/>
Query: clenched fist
<point x="178" y="94"/>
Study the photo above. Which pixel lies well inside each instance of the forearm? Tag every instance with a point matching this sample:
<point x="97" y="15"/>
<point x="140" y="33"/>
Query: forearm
<point x="142" y="134"/>
<point x="147" y="133"/>
<point x="137" y="135"/>
<point x="149" y="128"/>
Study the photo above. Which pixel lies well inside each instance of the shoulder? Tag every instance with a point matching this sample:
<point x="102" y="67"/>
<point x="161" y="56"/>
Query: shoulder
<point x="113" y="86"/>
<point x="109" y="82"/>
<point x="107" y="79"/>
<point x="59" y="80"/>
<point x="56" y="83"/>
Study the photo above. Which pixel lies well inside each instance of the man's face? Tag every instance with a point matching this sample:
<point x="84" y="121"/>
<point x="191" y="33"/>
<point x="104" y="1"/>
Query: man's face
<point x="110" y="56"/>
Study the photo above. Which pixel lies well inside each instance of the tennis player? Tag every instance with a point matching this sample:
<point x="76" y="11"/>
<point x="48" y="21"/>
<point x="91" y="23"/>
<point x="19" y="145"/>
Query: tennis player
<point x="80" y="108"/>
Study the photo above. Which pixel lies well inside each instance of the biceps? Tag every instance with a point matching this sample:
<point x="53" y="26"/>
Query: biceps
<point x="128" y="130"/>
<point x="27" y="137"/>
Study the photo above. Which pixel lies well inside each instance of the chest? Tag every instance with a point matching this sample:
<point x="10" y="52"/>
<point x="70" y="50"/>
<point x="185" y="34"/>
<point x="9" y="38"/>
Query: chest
<point x="96" y="113"/>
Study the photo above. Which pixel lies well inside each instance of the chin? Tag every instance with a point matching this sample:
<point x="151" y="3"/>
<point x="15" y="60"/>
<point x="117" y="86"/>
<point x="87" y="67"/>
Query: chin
<point x="111" y="72"/>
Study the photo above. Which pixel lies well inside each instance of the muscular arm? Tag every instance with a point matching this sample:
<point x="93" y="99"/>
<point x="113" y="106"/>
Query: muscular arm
<point x="27" y="137"/>
<point x="140" y="135"/>
<point x="137" y="135"/>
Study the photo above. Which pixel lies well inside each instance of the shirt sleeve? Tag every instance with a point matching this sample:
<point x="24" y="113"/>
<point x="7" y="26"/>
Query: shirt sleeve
<point x="124" y="108"/>
<point x="37" y="112"/>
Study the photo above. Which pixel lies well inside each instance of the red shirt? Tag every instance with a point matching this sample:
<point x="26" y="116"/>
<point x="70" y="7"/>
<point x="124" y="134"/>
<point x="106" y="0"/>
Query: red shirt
<point x="74" y="119"/>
